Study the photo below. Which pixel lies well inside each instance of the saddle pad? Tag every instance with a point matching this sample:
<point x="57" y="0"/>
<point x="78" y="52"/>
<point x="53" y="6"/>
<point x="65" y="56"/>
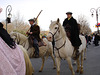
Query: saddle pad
<point x="41" y="43"/>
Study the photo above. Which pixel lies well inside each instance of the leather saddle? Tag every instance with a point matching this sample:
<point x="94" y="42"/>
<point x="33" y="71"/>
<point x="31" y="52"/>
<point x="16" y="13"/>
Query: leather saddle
<point x="40" y="43"/>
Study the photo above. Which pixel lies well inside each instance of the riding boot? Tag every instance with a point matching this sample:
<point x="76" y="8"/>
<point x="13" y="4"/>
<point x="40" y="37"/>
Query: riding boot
<point x="76" y="53"/>
<point x="35" y="55"/>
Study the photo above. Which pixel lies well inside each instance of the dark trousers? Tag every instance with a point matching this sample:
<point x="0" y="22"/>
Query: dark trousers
<point x="96" y="42"/>
<point x="36" y="46"/>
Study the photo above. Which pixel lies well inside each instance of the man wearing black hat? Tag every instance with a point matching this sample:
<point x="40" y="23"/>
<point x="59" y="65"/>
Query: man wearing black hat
<point x="35" y="36"/>
<point x="72" y="31"/>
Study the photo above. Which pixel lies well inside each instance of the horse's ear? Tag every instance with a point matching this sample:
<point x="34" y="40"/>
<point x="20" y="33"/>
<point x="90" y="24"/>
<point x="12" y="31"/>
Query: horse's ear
<point x="51" y="21"/>
<point x="58" y="20"/>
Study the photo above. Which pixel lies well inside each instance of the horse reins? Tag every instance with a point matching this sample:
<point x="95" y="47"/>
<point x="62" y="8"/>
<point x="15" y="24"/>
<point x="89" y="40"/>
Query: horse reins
<point x="18" y="41"/>
<point x="56" y="41"/>
<point x="61" y="46"/>
<point x="55" y="32"/>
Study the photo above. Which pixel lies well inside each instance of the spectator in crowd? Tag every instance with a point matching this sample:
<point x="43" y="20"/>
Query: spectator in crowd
<point x="89" y="39"/>
<point x="96" y="40"/>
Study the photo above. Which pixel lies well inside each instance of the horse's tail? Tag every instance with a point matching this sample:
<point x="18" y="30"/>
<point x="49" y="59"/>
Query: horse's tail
<point x="83" y="40"/>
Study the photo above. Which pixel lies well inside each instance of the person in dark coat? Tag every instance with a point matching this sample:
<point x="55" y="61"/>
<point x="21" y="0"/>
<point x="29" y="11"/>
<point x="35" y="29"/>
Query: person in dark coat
<point x="96" y="40"/>
<point x="35" y="35"/>
<point x="89" y="40"/>
<point x="86" y="36"/>
<point x="72" y="31"/>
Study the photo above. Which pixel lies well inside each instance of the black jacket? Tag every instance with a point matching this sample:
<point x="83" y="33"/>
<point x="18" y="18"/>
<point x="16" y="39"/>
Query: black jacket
<point x="6" y="37"/>
<point x="74" y="31"/>
<point x="36" y="31"/>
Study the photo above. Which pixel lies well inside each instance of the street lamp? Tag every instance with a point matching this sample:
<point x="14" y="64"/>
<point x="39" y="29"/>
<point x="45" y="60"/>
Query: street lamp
<point x="8" y="15"/>
<point x="97" y="14"/>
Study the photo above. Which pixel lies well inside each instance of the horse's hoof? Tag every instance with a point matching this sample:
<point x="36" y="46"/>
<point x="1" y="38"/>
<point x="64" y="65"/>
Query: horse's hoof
<point x="84" y="58"/>
<point x="73" y="74"/>
<point x="77" y="71"/>
<point x="58" y="72"/>
<point x="32" y="73"/>
<point x="74" y="63"/>
<point x="54" y="68"/>
<point x="81" y="72"/>
<point x="40" y="71"/>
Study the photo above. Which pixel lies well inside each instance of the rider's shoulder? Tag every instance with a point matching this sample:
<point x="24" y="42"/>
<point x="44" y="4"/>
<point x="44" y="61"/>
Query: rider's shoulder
<point x="37" y="26"/>
<point x="66" y="18"/>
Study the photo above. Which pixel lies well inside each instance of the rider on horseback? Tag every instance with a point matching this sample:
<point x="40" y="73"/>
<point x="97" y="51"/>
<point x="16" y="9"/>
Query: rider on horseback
<point x="72" y="31"/>
<point x="35" y="36"/>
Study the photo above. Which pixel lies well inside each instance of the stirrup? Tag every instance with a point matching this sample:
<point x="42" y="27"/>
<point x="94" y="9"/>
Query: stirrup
<point x="35" y="56"/>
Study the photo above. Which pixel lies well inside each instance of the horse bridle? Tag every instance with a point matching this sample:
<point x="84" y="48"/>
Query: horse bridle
<point x="18" y="41"/>
<point x="57" y="40"/>
<point x="54" y="33"/>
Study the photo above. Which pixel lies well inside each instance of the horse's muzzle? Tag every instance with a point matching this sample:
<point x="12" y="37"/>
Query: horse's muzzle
<point x="49" y="37"/>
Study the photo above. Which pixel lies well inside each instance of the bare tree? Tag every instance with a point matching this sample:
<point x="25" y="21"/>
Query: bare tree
<point x="17" y="21"/>
<point x="84" y="25"/>
<point x="17" y="24"/>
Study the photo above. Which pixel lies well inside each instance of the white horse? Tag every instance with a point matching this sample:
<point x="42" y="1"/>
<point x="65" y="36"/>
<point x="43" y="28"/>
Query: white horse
<point x="29" y="68"/>
<point x="44" y="51"/>
<point x="64" y="48"/>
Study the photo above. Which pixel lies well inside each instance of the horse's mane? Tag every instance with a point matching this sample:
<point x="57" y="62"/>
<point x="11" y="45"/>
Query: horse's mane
<point x="62" y="31"/>
<point x="22" y="35"/>
<point x="18" y="34"/>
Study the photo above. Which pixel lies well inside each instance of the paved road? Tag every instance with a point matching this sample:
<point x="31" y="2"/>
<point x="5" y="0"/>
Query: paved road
<point x="91" y="65"/>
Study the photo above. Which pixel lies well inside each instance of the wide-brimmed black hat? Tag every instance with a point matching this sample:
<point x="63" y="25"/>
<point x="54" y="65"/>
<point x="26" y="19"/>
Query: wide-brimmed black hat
<point x="69" y="13"/>
<point x="31" y="20"/>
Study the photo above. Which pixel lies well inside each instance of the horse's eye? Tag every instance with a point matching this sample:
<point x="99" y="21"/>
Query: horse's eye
<point x="55" y="27"/>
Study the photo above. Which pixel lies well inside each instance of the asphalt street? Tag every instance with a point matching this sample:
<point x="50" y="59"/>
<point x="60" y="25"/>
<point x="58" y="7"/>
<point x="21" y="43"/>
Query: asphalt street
<point x="91" y="64"/>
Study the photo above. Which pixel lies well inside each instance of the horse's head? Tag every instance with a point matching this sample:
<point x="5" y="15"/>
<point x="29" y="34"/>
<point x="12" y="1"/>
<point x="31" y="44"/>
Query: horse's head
<point x="54" y="30"/>
<point x="14" y="35"/>
<point x="18" y="37"/>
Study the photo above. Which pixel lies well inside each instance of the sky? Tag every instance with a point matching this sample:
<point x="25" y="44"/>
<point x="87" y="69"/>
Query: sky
<point x="52" y="9"/>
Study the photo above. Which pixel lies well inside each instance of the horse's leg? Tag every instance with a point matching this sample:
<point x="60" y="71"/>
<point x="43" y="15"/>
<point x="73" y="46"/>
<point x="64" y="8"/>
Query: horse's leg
<point x="85" y="54"/>
<point x="58" y="65"/>
<point x="52" y="56"/>
<point x="81" y="72"/>
<point x="43" y="60"/>
<point x="74" y="63"/>
<point x="78" y="66"/>
<point x="70" y="65"/>
<point x="29" y="68"/>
